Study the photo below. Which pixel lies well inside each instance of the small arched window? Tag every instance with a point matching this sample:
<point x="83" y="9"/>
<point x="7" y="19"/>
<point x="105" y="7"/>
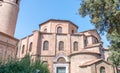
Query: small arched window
<point x="102" y="70"/>
<point x="30" y="47"/>
<point x="72" y="31"/>
<point x="75" y="46"/>
<point x="61" y="45"/>
<point x="86" y="42"/>
<point x="23" y="48"/>
<point x="95" y="40"/>
<point x="16" y="1"/>
<point x="45" y="30"/>
<point x="59" y="30"/>
<point x="45" y="45"/>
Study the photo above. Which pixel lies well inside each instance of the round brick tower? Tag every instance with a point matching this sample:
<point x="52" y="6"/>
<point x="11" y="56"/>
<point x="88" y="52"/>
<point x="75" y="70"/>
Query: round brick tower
<point x="8" y="16"/>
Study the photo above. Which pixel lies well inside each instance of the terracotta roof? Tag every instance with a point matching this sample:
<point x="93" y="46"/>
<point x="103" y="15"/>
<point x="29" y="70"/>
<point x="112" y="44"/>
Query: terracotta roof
<point x="59" y="21"/>
<point x="92" y="62"/>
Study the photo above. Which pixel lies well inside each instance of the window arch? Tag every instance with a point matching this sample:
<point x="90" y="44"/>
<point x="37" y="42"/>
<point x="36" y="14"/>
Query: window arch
<point x="45" y="30"/>
<point x="23" y="48"/>
<point x="75" y="46"/>
<point x="102" y="70"/>
<point x="59" y="30"/>
<point x="61" y="60"/>
<point x="45" y="45"/>
<point x="61" y="45"/>
<point x="30" y="46"/>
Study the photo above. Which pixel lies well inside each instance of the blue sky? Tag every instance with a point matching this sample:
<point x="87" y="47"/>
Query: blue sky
<point x="34" y="12"/>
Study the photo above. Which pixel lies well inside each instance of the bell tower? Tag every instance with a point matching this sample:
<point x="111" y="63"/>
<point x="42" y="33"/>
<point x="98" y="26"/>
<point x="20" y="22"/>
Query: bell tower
<point x="8" y="16"/>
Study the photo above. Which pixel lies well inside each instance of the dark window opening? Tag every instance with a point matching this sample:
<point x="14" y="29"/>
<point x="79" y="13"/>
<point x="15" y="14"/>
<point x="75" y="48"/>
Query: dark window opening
<point x="102" y="70"/>
<point x="75" y="46"/>
<point x="30" y="47"/>
<point x="59" y="30"/>
<point x="23" y="48"/>
<point x="45" y="45"/>
<point x="16" y="1"/>
<point x="61" y="45"/>
<point x="72" y="31"/>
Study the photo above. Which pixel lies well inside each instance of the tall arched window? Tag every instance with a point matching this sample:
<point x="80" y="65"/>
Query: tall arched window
<point x="30" y="46"/>
<point x="23" y="48"/>
<point x="59" y="30"/>
<point x="61" y="45"/>
<point x="102" y="70"/>
<point x="72" y="31"/>
<point x="45" y="45"/>
<point x="75" y="46"/>
<point x="86" y="42"/>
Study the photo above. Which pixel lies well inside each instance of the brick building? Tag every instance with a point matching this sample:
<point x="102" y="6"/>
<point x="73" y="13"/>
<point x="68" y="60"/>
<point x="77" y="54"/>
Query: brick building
<point x="65" y="50"/>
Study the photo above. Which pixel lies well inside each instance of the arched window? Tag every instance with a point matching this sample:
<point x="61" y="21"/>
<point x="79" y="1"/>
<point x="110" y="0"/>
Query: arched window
<point x="30" y="46"/>
<point x="75" y="46"/>
<point x="16" y="1"/>
<point x="72" y="31"/>
<point x="86" y="42"/>
<point x="45" y="45"/>
<point x="61" y="45"/>
<point x="45" y="30"/>
<point x="23" y="48"/>
<point x="59" y="30"/>
<point x="95" y="40"/>
<point x="102" y="70"/>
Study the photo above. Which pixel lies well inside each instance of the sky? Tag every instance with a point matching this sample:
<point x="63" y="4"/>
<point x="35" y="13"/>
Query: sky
<point x="34" y="12"/>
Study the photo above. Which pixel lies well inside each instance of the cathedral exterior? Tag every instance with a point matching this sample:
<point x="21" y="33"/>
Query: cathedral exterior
<point x="58" y="44"/>
<point x="65" y="50"/>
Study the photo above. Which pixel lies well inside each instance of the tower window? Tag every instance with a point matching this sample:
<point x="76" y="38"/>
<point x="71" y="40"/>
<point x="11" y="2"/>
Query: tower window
<point x="30" y="46"/>
<point x="86" y="42"/>
<point x="75" y="46"/>
<point x="61" y="45"/>
<point x="102" y="70"/>
<point x="95" y="40"/>
<point x="59" y="30"/>
<point x="45" y="30"/>
<point x="72" y="31"/>
<point x="45" y="45"/>
<point x="16" y="1"/>
<point x="23" y="48"/>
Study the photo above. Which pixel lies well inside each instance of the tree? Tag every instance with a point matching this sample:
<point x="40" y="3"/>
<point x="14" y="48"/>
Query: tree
<point x="104" y="14"/>
<point x="114" y="48"/>
<point x="25" y="65"/>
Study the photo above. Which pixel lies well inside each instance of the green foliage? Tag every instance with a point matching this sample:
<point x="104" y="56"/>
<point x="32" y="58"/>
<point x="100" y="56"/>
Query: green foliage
<point x="114" y="48"/>
<point x="25" y="65"/>
<point x="104" y="14"/>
